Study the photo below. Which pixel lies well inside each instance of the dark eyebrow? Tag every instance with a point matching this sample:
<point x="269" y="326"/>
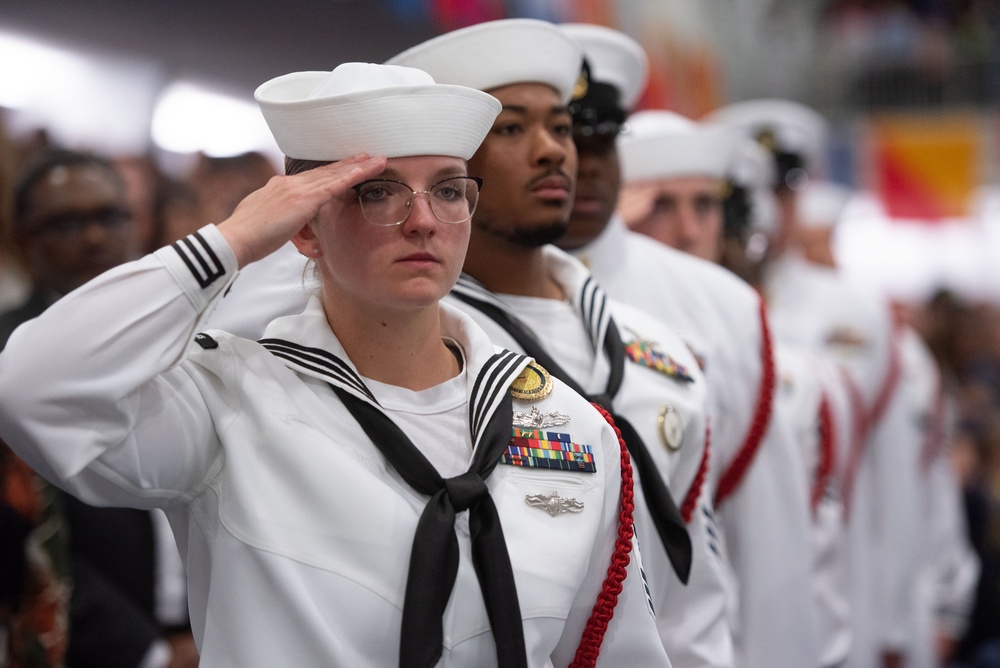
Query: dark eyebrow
<point x="555" y="110"/>
<point x="515" y="108"/>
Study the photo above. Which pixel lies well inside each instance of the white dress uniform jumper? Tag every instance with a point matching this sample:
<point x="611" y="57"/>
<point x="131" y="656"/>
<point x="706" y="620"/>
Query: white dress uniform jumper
<point x="295" y="529"/>
<point x="757" y="484"/>
<point x="662" y="395"/>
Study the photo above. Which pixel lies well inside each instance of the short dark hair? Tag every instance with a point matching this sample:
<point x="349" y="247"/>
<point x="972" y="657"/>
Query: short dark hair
<point x="39" y="168"/>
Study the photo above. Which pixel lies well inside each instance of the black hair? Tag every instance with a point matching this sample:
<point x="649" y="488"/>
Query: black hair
<point x="39" y="168"/>
<point x="791" y="170"/>
<point x="791" y="166"/>
<point x="736" y="211"/>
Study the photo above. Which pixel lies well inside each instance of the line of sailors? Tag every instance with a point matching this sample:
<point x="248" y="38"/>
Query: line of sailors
<point x="800" y="426"/>
<point x="797" y="426"/>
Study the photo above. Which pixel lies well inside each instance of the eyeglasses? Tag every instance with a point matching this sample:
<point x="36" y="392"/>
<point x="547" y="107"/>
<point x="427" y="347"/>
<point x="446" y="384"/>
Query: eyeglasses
<point x="603" y="129"/>
<point x="386" y="203"/>
<point x="596" y="138"/>
<point x="75" y="223"/>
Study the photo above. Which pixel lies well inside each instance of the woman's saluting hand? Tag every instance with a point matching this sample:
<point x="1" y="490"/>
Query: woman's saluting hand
<point x="269" y="217"/>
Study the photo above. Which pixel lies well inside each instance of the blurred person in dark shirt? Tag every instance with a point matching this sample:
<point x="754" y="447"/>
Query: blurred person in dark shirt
<point x="71" y="222"/>
<point x="976" y="455"/>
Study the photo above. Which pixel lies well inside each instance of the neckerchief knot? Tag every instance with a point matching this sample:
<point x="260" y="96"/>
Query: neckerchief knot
<point x="465" y="490"/>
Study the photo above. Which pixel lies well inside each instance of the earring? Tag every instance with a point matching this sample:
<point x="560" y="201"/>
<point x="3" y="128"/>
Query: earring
<point x="315" y="251"/>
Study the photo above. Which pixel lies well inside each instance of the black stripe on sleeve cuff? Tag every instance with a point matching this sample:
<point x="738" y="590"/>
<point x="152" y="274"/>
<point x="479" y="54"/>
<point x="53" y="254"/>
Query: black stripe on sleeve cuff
<point x="200" y="259"/>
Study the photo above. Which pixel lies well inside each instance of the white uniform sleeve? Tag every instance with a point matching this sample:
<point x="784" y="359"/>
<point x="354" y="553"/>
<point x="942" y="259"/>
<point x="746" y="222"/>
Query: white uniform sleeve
<point x="92" y="396"/>
<point x="767" y="528"/>
<point x="631" y="638"/>
<point x="277" y="285"/>
<point x="894" y="455"/>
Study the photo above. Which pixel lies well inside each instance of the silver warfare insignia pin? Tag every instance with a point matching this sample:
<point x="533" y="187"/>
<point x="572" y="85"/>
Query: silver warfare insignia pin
<point x="554" y="504"/>
<point x="535" y="419"/>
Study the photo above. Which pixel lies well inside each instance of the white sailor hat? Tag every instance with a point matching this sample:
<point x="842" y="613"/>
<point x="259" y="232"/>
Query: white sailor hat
<point x="780" y="125"/>
<point x="821" y="204"/>
<point x="662" y="144"/>
<point x="376" y="109"/>
<point x="752" y="165"/>
<point x="614" y="58"/>
<point x="754" y="169"/>
<point x="499" y="53"/>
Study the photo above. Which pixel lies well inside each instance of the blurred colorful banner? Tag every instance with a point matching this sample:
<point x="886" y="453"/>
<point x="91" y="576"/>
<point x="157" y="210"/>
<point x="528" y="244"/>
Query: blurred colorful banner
<point x="925" y="167"/>
<point x="685" y="69"/>
<point x="445" y="15"/>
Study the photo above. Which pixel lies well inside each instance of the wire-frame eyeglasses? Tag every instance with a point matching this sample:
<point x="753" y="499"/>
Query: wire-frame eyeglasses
<point x="385" y="202"/>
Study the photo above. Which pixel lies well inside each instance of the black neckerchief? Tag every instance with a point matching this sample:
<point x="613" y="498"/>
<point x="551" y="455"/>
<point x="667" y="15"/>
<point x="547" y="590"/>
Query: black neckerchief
<point x="666" y="517"/>
<point x="434" y="555"/>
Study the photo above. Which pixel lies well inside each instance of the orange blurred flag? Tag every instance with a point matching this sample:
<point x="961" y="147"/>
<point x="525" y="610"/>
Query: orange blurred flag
<point x="925" y="167"/>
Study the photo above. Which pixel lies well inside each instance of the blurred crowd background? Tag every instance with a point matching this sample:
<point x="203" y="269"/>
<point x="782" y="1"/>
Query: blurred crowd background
<point x="911" y="89"/>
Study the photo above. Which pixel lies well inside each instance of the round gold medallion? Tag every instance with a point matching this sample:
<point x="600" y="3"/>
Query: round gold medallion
<point x="671" y="428"/>
<point x="532" y="384"/>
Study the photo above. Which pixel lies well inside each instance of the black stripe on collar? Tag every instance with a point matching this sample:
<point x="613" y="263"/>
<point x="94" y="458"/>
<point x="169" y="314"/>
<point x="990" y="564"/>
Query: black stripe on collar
<point x="494" y="378"/>
<point x="319" y="361"/>
<point x="593" y="308"/>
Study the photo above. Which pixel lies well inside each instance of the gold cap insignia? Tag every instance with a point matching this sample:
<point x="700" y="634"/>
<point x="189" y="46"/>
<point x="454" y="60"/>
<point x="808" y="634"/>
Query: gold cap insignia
<point x="533" y="383"/>
<point x="767" y="139"/>
<point x="581" y="86"/>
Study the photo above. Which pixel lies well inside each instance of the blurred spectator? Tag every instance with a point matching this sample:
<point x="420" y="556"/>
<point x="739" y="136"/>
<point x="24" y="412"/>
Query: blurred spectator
<point x="142" y="187"/>
<point x="178" y="212"/>
<point x="13" y="283"/>
<point x="937" y="323"/>
<point x="221" y="183"/>
<point x="965" y="337"/>
<point x="72" y="222"/>
<point x="209" y="195"/>
<point x="914" y="53"/>
<point x="34" y="574"/>
<point x="976" y="454"/>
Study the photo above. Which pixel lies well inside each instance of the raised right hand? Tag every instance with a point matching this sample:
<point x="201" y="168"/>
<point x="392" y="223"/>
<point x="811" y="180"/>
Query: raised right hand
<point x="636" y="202"/>
<point x="269" y="217"/>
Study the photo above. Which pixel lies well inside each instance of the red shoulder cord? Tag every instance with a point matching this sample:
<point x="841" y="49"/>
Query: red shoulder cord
<point x="733" y="476"/>
<point x="691" y="499"/>
<point x="892" y="374"/>
<point x="859" y="437"/>
<point x="824" y="467"/>
<point x="865" y="421"/>
<point x="604" y="609"/>
<point x="934" y="435"/>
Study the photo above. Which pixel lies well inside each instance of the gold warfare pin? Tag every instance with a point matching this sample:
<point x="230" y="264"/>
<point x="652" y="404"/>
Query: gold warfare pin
<point x="533" y="383"/>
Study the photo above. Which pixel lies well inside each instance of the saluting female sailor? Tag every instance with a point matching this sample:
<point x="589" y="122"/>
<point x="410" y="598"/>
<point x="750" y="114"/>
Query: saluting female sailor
<point x="296" y="470"/>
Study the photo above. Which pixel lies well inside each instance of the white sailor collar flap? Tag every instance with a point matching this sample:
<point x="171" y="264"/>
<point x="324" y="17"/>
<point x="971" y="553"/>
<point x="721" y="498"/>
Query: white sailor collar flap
<point x="305" y="344"/>
<point x="587" y="297"/>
